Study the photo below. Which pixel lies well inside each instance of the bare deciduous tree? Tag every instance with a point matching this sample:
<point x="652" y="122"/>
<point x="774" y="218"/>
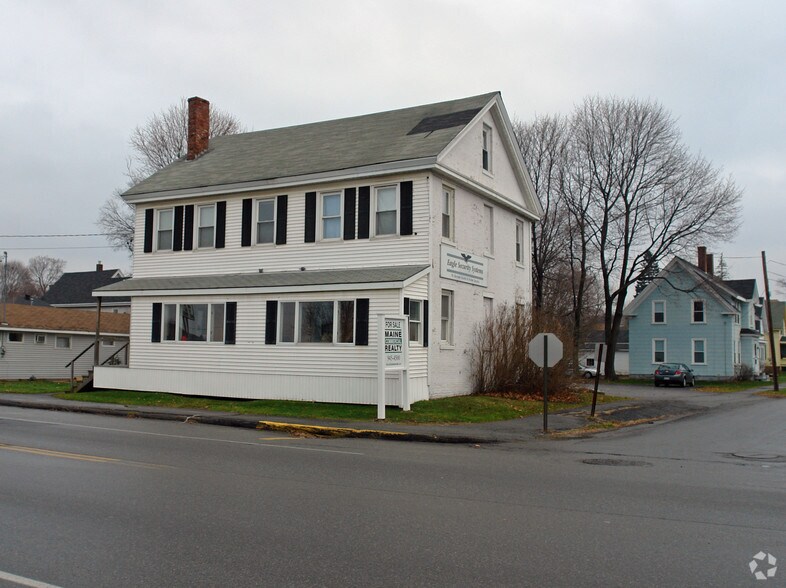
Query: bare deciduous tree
<point x="44" y="271"/>
<point x="18" y="281"/>
<point x="543" y="145"/>
<point x="160" y="141"/>
<point x="649" y="196"/>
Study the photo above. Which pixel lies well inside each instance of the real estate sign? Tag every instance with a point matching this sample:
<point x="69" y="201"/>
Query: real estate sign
<point x="463" y="266"/>
<point x="394" y="336"/>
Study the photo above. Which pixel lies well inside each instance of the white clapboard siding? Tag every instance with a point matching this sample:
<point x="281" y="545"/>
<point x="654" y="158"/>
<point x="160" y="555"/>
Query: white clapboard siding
<point x="327" y="388"/>
<point x="249" y="353"/>
<point x="387" y="250"/>
<point x="27" y="358"/>
<point x="418" y="355"/>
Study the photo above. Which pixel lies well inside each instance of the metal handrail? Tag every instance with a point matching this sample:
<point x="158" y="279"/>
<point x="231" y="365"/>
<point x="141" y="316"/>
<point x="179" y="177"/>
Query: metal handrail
<point x="73" y="361"/>
<point x="115" y="353"/>
<point x="88" y="348"/>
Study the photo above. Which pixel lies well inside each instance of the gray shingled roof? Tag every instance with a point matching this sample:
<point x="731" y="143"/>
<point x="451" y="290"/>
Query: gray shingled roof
<point x="742" y="287"/>
<point x="372" y="139"/>
<point x="373" y="275"/>
<point x="77" y="287"/>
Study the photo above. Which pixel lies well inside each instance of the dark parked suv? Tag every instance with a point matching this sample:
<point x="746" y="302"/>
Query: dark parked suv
<point x="674" y="373"/>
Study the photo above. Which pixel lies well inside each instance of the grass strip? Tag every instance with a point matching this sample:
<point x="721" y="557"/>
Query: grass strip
<point x="34" y="386"/>
<point x="455" y="410"/>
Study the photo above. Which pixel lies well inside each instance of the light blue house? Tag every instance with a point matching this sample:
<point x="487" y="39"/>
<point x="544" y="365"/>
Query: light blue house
<point x="687" y="315"/>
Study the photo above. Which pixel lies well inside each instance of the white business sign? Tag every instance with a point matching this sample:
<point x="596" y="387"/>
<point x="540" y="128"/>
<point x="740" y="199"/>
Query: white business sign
<point x="463" y="267"/>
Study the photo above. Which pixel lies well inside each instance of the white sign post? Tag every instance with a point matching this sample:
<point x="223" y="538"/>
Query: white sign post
<point x="392" y="355"/>
<point x="545" y="350"/>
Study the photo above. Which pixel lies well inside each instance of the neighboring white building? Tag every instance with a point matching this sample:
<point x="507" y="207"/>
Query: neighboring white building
<point x="263" y="259"/>
<point x="38" y="341"/>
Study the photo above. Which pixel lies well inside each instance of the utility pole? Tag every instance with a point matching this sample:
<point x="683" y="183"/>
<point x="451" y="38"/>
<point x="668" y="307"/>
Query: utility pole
<point x="769" y="321"/>
<point x="5" y="295"/>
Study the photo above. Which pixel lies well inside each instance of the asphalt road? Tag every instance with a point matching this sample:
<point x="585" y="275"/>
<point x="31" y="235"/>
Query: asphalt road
<point x="99" y="501"/>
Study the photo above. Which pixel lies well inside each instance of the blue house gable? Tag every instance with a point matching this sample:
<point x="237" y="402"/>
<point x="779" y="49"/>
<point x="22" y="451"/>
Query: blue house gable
<point x="687" y="315"/>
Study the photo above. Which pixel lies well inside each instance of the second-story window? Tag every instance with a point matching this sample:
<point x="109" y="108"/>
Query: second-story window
<point x="331" y="215"/>
<point x="658" y="311"/>
<point x="415" y="321"/>
<point x="386" y="211"/>
<point x="266" y="220"/>
<point x="448" y="205"/>
<point x="207" y="226"/>
<point x="165" y="229"/>
<point x="488" y="227"/>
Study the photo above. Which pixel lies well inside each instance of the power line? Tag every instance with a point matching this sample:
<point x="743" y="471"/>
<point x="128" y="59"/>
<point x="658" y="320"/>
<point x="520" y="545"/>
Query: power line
<point x="56" y="248"/>
<point x="58" y="235"/>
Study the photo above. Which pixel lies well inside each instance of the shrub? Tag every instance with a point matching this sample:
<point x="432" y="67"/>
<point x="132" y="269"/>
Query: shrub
<point x="743" y="372"/>
<point x="499" y="361"/>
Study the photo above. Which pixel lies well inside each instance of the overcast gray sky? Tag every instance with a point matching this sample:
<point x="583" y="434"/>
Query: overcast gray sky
<point x="76" y="77"/>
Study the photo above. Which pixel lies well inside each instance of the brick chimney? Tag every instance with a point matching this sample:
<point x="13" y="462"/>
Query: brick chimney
<point x="710" y="264"/>
<point x="702" y="259"/>
<point x="99" y="267"/>
<point x="198" y="127"/>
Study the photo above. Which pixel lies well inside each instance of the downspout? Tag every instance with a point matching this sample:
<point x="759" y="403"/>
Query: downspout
<point x="96" y="350"/>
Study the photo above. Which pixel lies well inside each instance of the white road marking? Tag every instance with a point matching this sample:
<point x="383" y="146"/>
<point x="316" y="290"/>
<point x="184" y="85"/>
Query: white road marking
<point x="22" y="581"/>
<point x="183" y="436"/>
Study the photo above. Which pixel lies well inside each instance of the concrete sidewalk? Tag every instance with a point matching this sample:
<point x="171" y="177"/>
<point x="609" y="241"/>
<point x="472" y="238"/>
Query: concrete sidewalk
<point x="523" y="429"/>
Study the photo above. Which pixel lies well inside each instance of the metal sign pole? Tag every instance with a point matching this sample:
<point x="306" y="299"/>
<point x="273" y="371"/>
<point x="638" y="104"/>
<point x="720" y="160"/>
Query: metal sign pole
<point x="380" y="367"/>
<point x="545" y="384"/>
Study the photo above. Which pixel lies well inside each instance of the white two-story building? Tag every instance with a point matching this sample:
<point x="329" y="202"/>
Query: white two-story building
<point x="262" y="260"/>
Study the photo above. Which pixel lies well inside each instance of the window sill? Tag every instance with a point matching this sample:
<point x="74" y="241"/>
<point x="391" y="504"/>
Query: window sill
<point x="450" y="242"/>
<point x="487" y="173"/>
<point x="448" y="346"/>
<point x="489" y="255"/>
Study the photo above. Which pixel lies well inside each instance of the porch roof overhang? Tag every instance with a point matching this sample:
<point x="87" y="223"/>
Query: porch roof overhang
<point x="370" y="278"/>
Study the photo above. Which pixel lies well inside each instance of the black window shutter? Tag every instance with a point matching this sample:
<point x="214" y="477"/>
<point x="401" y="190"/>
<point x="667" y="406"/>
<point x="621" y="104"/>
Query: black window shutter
<point x="245" y="231"/>
<point x="311" y="217"/>
<point x="281" y="219"/>
<point x="364" y="209"/>
<point x="188" y="234"/>
<point x="406" y="208"/>
<point x="155" y="328"/>
<point x="221" y="224"/>
<point x="425" y="323"/>
<point x="361" y="321"/>
<point x="271" y="320"/>
<point x="149" y="212"/>
<point x="349" y="214"/>
<point x="177" y="233"/>
<point x="406" y="305"/>
<point x="230" y="318"/>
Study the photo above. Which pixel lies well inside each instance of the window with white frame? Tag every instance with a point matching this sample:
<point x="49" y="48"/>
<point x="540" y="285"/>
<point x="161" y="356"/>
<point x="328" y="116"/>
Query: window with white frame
<point x="107" y="342"/>
<point x="488" y="307"/>
<point x="658" y="350"/>
<point x="488" y="227"/>
<point x="328" y="321"/>
<point x="266" y="220"/>
<point x="658" y="311"/>
<point x="385" y="210"/>
<point x="486" y="151"/>
<point x="63" y="342"/>
<point x="519" y="241"/>
<point x="448" y="206"/>
<point x="446" y="317"/>
<point x="206" y="231"/>
<point x="40" y="339"/>
<point x="415" y="321"/>
<point x="699" y="351"/>
<point x="697" y="314"/>
<point x="166" y="219"/>
<point x="193" y="322"/>
<point x="331" y="215"/>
